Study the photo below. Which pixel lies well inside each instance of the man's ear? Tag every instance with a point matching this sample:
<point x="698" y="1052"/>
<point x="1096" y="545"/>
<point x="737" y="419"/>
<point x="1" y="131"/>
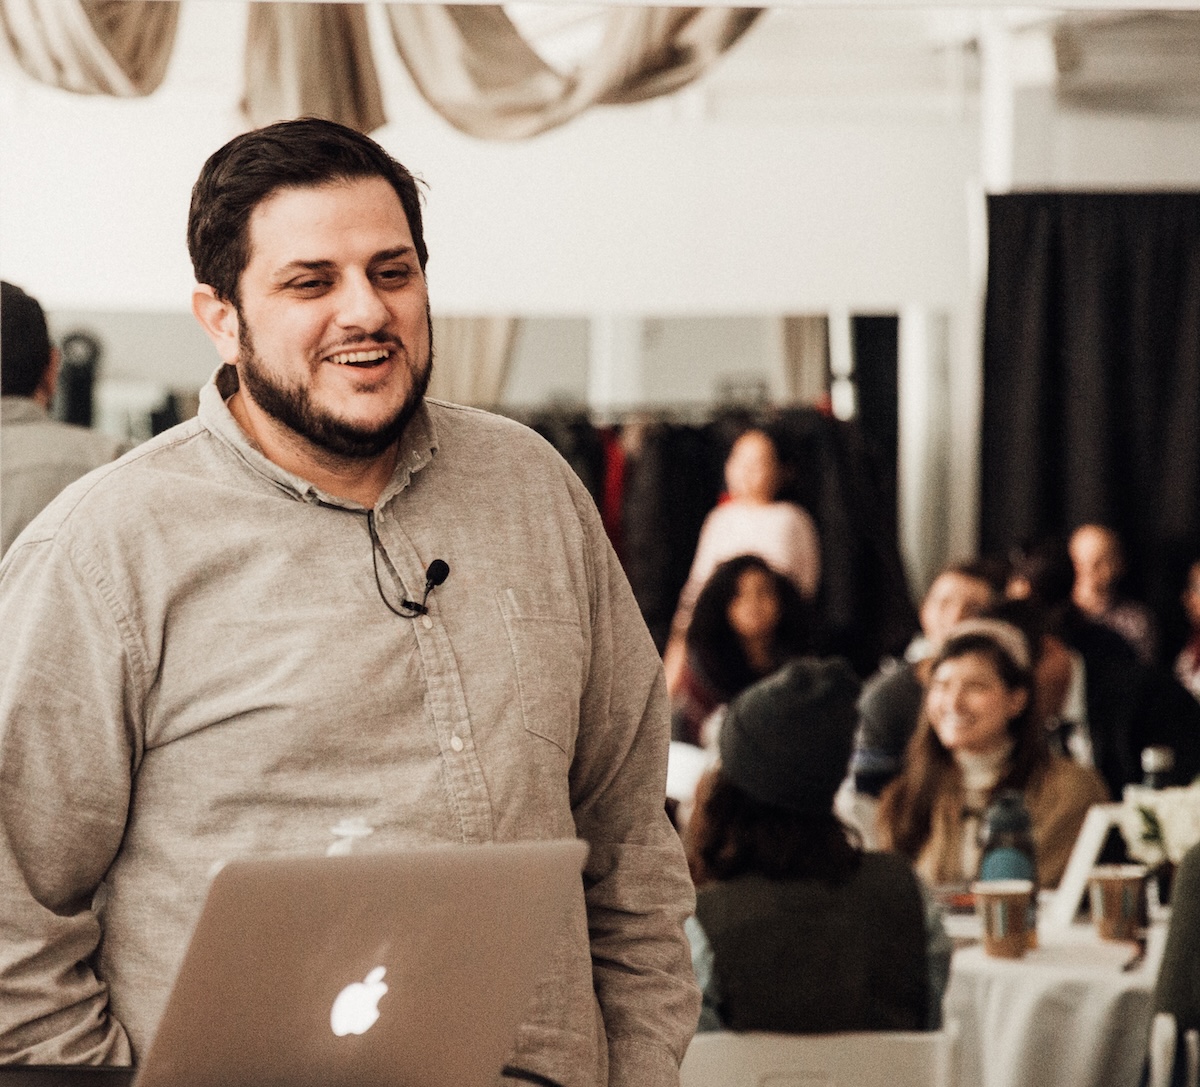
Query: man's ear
<point x="219" y="319"/>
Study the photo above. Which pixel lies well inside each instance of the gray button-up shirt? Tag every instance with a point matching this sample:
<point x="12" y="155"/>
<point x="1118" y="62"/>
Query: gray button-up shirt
<point x="196" y="663"/>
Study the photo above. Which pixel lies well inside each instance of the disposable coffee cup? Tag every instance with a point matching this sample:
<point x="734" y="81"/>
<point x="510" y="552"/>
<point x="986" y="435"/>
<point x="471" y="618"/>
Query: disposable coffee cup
<point x="1117" y="894"/>
<point x="1003" y="909"/>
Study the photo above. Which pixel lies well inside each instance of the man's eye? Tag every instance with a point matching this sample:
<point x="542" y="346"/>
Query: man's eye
<point x="394" y="275"/>
<point x="309" y="285"/>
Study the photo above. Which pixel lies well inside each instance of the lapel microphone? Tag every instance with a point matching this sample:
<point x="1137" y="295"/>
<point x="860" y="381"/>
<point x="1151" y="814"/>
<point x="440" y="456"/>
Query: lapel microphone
<point x="438" y="571"/>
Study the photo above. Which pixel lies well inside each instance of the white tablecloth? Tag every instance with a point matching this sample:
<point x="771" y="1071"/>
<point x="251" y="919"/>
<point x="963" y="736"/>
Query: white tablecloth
<point x="1066" y="1015"/>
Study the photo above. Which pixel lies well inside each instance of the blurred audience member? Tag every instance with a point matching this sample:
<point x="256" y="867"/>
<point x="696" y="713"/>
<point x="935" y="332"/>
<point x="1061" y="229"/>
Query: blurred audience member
<point x="38" y="455"/>
<point x="796" y="928"/>
<point x="750" y="521"/>
<point x="1113" y="706"/>
<point x="979" y="734"/>
<point x="1099" y="566"/>
<point x="891" y="700"/>
<point x="1187" y="664"/>
<point x="1053" y="661"/>
<point x="747" y="622"/>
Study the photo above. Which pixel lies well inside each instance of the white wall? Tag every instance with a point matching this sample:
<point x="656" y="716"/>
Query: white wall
<point x="829" y="192"/>
<point x="690" y="360"/>
<point x="1058" y="148"/>
<point x="167" y="348"/>
<point x="629" y="209"/>
<point x="549" y="363"/>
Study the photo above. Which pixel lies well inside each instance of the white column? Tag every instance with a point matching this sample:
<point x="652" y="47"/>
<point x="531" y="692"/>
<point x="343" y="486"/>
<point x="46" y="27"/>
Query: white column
<point x="966" y="388"/>
<point x="997" y="116"/>
<point x="964" y="379"/>
<point x="842" y="391"/>
<point x="614" y="363"/>
<point x="924" y="443"/>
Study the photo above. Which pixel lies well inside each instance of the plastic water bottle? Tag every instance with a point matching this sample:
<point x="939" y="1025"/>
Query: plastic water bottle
<point x="1006" y="847"/>
<point x="1006" y="839"/>
<point x="1158" y="767"/>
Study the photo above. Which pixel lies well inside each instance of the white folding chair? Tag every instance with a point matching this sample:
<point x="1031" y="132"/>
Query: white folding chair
<point x="866" y="1059"/>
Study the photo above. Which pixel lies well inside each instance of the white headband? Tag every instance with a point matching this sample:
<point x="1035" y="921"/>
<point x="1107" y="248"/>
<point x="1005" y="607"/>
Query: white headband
<point x="1008" y="637"/>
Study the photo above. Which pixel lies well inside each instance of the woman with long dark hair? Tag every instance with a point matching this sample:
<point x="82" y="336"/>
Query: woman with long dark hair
<point x="797" y="929"/>
<point x="748" y="621"/>
<point x="979" y="733"/>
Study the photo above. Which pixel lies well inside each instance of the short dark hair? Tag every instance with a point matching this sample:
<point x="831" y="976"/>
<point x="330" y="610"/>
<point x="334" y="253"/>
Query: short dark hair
<point x="1048" y="568"/>
<point x="988" y="571"/>
<point x="24" y="342"/>
<point x="291" y="154"/>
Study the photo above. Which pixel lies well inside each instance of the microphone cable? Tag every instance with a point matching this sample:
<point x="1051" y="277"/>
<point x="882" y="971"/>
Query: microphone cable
<point x="437" y="572"/>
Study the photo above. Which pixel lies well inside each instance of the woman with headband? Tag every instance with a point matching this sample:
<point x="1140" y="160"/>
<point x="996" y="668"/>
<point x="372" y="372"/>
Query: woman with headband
<point x="979" y="734"/>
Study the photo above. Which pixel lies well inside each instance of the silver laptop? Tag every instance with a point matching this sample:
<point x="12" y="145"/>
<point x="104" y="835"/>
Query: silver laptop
<point x="372" y="970"/>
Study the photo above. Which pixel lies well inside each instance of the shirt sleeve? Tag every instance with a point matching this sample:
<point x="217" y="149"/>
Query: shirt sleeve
<point x="875" y="760"/>
<point x="66" y="760"/>
<point x="638" y="889"/>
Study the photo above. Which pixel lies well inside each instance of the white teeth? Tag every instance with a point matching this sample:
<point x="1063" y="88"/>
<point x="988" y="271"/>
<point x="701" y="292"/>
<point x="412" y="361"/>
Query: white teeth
<point x="348" y="357"/>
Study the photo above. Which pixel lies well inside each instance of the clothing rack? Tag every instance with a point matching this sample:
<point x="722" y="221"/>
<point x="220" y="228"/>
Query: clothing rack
<point x="654" y="493"/>
<point x="684" y="413"/>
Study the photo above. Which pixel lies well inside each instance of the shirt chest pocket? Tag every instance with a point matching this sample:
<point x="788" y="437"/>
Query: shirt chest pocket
<point x="547" y="645"/>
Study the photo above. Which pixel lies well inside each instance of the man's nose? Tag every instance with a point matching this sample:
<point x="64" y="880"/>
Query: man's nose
<point x="361" y="306"/>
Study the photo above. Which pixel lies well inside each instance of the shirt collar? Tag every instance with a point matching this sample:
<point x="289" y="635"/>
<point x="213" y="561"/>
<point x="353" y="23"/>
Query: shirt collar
<point x="418" y="444"/>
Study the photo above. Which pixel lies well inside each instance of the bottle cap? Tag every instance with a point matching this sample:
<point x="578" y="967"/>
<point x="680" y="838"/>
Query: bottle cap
<point x="1157" y="760"/>
<point x="1007" y="812"/>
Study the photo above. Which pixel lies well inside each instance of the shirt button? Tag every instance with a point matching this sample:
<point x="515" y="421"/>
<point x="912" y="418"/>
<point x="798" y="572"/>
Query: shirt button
<point x="426" y="622"/>
<point x="456" y="742"/>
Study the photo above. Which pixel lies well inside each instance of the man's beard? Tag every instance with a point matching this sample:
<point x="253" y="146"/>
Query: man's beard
<point x="292" y="406"/>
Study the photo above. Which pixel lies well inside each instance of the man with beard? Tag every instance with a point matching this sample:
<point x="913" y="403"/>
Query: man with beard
<point x="226" y="645"/>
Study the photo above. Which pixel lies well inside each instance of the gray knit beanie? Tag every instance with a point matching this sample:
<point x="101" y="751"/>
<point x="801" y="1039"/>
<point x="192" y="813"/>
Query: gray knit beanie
<point x="786" y="740"/>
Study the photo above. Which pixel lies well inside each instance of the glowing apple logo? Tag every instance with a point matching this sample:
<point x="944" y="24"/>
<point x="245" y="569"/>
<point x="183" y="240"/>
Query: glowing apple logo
<point x="357" y="1006"/>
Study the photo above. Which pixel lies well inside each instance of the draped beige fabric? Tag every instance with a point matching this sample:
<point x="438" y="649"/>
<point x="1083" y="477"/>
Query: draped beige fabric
<point x="469" y="61"/>
<point x="471" y="359"/>
<point x="116" y="47"/>
<point x="311" y="60"/>
<point x="806" y="347"/>
<point x="477" y="71"/>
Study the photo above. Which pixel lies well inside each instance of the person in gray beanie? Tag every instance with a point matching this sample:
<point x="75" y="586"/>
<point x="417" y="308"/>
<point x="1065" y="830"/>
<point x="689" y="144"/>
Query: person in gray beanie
<point x="797" y="929"/>
<point x="786" y="740"/>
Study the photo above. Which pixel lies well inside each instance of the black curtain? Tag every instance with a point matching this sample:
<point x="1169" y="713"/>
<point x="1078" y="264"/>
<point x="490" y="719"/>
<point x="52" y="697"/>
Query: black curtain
<point x="1091" y="402"/>
<point x="876" y="340"/>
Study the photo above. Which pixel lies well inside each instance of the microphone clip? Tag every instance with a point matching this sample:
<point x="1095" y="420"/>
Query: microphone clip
<point x="438" y="571"/>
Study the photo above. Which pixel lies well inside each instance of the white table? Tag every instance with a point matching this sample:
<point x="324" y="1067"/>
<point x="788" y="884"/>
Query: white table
<point x="1065" y="1015"/>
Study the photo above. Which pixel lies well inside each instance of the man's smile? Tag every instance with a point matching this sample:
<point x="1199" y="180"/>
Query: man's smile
<point x="360" y="358"/>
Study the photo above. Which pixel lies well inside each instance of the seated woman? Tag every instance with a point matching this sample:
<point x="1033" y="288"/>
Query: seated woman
<point x="751" y="521"/>
<point x="978" y="734"/>
<point x="796" y="928"/>
<point x="748" y="621"/>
